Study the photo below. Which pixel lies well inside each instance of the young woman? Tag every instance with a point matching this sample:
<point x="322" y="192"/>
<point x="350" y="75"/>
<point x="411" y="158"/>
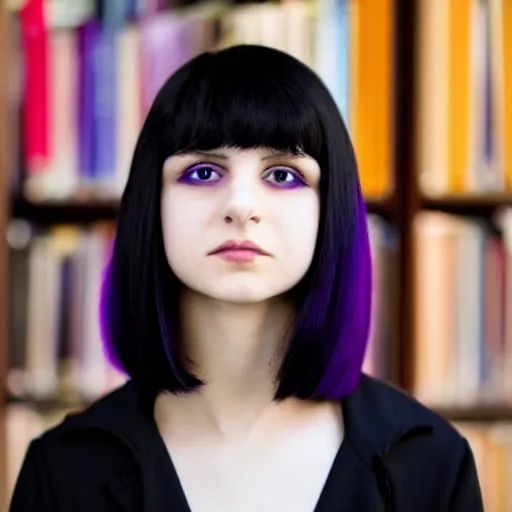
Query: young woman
<point x="237" y="300"/>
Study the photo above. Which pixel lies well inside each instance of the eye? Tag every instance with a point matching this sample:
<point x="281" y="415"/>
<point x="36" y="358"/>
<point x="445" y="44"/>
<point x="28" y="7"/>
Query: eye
<point x="200" y="174"/>
<point x="284" y="178"/>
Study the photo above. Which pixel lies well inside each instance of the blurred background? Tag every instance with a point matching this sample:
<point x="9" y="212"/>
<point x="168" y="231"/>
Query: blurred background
<point x="425" y="88"/>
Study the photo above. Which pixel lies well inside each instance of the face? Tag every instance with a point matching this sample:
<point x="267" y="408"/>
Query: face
<point x="240" y="225"/>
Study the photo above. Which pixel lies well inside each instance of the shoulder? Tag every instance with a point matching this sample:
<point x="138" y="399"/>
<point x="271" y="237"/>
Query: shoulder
<point x="89" y="451"/>
<point x="390" y="415"/>
<point x="394" y="408"/>
<point x="126" y="403"/>
<point x="425" y="455"/>
<point x="108" y="421"/>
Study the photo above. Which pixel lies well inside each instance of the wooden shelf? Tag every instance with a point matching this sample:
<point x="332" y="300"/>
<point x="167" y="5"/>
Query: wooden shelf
<point x="485" y="204"/>
<point x="49" y="405"/>
<point x="52" y="212"/>
<point x="478" y="413"/>
<point x="380" y="206"/>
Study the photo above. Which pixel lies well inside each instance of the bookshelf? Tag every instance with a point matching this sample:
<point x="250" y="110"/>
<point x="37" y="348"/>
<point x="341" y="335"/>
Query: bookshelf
<point x="52" y="212"/>
<point x="399" y="207"/>
<point x="478" y="414"/>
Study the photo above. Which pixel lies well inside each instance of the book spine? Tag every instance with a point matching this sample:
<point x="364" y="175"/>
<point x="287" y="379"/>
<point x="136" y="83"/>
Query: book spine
<point x="104" y="106"/>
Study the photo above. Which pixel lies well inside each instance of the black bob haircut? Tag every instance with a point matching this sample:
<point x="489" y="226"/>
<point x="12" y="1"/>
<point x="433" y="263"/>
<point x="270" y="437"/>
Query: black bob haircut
<point x="244" y="97"/>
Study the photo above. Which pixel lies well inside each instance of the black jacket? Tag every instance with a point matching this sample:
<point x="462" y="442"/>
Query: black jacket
<point x="399" y="457"/>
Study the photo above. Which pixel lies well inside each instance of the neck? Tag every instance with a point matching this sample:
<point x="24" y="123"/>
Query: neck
<point x="236" y="349"/>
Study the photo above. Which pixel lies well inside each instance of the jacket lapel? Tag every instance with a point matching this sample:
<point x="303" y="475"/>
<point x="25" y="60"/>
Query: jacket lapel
<point x="125" y="490"/>
<point x="376" y="418"/>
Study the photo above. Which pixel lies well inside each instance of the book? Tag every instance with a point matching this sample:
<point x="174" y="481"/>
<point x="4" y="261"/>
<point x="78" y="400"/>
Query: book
<point x="91" y="77"/>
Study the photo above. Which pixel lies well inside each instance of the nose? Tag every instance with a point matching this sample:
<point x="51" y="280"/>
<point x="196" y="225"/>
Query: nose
<point x="242" y="206"/>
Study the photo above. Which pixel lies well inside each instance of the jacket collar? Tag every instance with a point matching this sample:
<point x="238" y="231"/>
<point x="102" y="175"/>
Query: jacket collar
<point x="373" y="403"/>
<point x="376" y="416"/>
<point x="127" y="413"/>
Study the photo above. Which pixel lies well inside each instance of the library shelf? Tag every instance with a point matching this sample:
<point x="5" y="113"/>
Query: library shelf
<point x="483" y="413"/>
<point x="49" y="405"/>
<point x="468" y="204"/>
<point x="72" y="211"/>
<point x="76" y="212"/>
<point x="382" y="206"/>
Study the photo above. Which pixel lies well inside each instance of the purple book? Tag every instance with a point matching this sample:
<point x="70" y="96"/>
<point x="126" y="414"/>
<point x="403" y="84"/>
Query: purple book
<point x="166" y="45"/>
<point x="148" y="8"/>
<point x="86" y="37"/>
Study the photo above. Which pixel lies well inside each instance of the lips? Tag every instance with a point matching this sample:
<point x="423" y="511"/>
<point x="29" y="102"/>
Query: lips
<point x="245" y="246"/>
<point x="241" y="253"/>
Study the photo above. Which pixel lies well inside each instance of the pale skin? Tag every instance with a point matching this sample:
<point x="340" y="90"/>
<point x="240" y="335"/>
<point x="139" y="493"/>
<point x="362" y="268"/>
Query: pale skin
<point x="234" y="448"/>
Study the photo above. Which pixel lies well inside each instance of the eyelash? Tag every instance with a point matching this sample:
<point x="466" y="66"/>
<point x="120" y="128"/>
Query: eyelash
<point x="186" y="177"/>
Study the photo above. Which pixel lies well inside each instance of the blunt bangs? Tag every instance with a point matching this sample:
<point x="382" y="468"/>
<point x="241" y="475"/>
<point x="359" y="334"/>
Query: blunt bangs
<point x="242" y="97"/>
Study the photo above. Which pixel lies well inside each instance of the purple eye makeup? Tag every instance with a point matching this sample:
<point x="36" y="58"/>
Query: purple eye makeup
<point x="282" y="177"/>
<point x="209" y="174"/>
<point x="201" y="174"/>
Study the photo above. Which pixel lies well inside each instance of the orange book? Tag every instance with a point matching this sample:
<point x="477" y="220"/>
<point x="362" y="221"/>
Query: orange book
<point x="498" y="441"/>
<point x="372" y="90"/>
<point x="458" y="93"/>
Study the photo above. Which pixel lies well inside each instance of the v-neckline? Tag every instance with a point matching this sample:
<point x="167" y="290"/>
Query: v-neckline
<point x="171" y="489"/>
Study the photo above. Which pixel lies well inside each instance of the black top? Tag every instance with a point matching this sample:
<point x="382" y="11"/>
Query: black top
<point x="396" y="456"/>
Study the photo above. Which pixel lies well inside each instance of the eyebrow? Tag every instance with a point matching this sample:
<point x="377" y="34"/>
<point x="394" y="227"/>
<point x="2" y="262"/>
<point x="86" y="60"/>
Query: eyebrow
<point x="223" y="156"/>
<point x="287" y="154"/>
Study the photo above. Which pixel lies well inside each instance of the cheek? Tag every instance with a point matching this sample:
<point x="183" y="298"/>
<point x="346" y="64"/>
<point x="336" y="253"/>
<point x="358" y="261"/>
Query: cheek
<point x="178" y="220"/>
<point x="299" y="225"/>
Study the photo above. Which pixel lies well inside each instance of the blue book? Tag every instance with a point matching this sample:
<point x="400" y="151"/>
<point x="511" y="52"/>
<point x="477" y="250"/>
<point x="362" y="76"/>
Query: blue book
<point x="104" y="105"/>
<point x="333" y="51"/>
<point x="342" y="44"/>
<point x="114" y="13"/>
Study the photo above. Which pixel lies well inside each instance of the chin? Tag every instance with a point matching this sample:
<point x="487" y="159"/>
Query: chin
<point x="238" y="291"/>
<point x="241" y="288"/>
<point x="239" y="296"/>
